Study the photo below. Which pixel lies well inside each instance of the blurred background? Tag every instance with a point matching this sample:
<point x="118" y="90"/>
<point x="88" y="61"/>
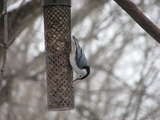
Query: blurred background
<point x="125" y="63"/>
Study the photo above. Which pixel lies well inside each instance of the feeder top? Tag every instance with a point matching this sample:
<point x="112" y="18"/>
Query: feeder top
<point x="56" y="2"/>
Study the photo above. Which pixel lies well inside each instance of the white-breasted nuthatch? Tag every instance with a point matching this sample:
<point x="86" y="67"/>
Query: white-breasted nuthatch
<point x="78" y="60"/>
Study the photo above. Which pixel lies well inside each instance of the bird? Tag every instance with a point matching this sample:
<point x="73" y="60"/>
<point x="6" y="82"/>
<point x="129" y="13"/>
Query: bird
<point x="78" y="60"/>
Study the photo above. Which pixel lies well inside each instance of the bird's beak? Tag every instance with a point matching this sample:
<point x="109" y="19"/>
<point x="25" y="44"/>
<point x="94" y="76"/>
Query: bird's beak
<point x="75" y="80"/>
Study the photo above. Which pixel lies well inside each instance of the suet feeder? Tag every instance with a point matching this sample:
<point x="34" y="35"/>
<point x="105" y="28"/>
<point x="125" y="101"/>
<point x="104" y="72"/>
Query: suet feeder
<point x="57" y="26"/>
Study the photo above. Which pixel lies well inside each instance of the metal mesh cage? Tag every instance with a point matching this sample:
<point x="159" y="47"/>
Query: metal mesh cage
<point x="60" y="92"/>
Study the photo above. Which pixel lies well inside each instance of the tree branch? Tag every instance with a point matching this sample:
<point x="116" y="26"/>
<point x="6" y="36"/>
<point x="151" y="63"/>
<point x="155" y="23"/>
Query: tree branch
<point x="19" y="19"/>
<point x="5" y="44"/>
<point x="140" y="18"/>
<point x="91" y="5"/>
<point x="1" y="6"/>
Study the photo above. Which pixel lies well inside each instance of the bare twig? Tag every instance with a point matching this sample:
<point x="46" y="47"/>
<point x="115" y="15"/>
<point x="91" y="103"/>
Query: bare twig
<point x="140" y="18"/>
<point x="125" y="115"/>
<point x="154" y="111"/>
<point x="5" y="43"/>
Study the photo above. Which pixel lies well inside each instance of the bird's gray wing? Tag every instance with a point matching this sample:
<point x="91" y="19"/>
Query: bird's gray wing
<point x="81" y="60"/>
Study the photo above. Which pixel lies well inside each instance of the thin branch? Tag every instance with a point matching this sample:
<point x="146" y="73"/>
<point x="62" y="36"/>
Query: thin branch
<point x="140" y="18"/>
<point x="151" y="113"/>
<point x="125" y="115"/>
<point x="1" y="6"/>
<point x="5" y="44"/>
<point x="18" y="21"/>
<point x="91" y="5"/>
<point x="139" y="102"/>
